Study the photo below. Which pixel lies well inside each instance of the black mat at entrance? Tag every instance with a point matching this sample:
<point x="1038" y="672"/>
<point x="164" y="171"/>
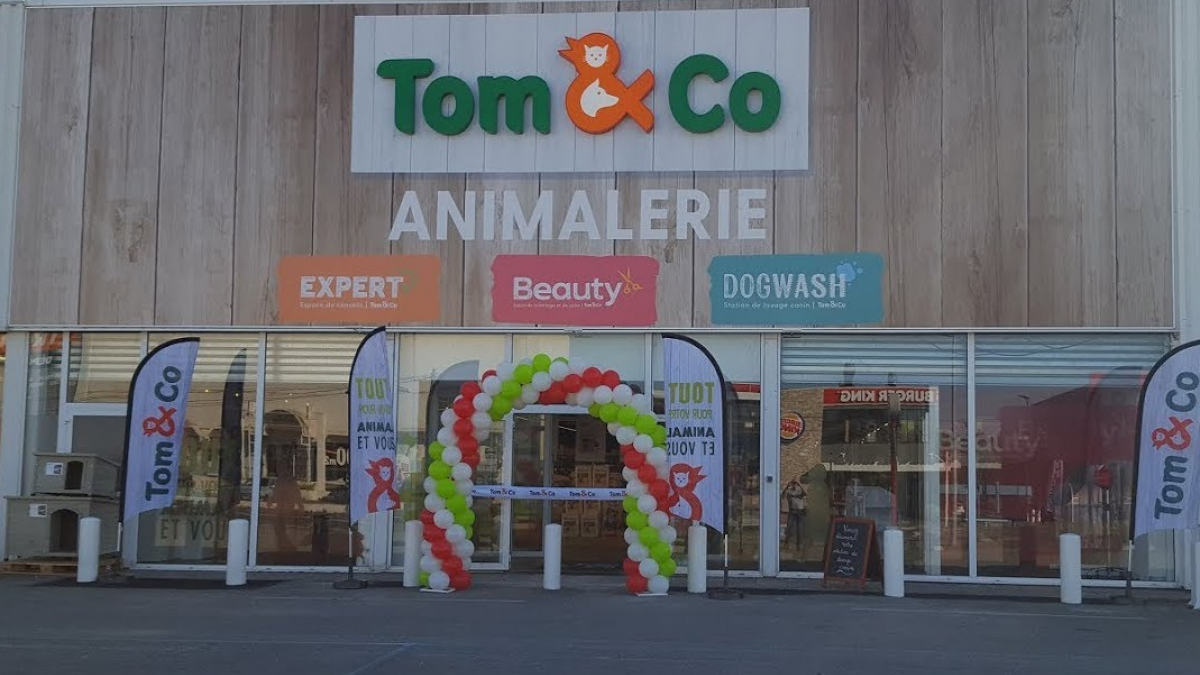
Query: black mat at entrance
<point x="165" y="584"/>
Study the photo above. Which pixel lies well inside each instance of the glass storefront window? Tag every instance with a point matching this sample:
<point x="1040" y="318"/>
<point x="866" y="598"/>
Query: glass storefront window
<point x="432" y="369"/>
<point x="101" y="366"/>
<point x="740" y="359"/>
<point x="845" y="452"/>
<point x="217" y="460"/>
<point x="42" y="397"/>
<point x="1057" y="424"/>
<point x="303" y="491"/>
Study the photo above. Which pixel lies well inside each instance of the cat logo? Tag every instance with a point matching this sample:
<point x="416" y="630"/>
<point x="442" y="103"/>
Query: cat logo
<point x="597" y="101"/>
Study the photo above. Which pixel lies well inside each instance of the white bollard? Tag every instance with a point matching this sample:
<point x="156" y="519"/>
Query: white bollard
<point x="414" y="530"/>
<point x="1196" y="576"/>
<point x="552" y="551"/>
<point x="88" y="570"/>
<point x="238" y="552"/>
<point x="697" y="559"/>
<point x="893" y="563"/>
<point x="1070" y="563"/>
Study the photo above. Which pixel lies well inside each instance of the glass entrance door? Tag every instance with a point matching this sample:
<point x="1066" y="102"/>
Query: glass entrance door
<point x="566" y="450"/>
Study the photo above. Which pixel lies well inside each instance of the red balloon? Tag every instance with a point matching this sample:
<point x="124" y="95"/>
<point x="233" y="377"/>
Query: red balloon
<point x="433" y="534"/>
<point x="460" y="581"/>
<point x="468" y="445"/>
<point x="637" y="583"/>
<point x="452" y="565"/>
<point x="635" y="460"/>
<point x="557" y="393"/>
<point x="572" y="383"/>
<point x="592" y="377"/>
<point x="469" y="390"/>
<point x="647" y="473"/>
<point x="427" y="518"/>
<point x="442" y="549"/>
<point x="611" y="379"/>
<point x="631" y="567"/>
<point x="471" y="460"/>
<point x="544" y="398"/>
<point x="464" y="408"/>
<point x="487" y="374"/>
<point x="464" y="427"/>
<point x="660" y="489"/>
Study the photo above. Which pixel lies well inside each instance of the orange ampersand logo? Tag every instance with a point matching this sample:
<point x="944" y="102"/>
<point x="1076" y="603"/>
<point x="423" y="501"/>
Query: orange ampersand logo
<point x="163" y="426"/>
<point x="597" y="100"/>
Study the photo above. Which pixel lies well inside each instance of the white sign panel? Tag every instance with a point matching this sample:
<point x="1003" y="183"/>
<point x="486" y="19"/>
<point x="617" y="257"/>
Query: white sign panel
<point x="715" y="90"/>
<point x="1168" y="486"/>
<point x="695" y="411"/>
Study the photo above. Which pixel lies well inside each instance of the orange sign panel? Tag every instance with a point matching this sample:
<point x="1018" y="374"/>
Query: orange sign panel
<point x="366" y="290"/>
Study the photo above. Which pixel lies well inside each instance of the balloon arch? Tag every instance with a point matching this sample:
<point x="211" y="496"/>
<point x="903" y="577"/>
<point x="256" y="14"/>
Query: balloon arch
<point x="448" y="518"/>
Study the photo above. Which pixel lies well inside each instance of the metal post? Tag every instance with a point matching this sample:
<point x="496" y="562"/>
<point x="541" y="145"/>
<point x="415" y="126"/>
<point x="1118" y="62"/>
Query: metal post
<point x="552" y="543"/>
<point x="893" y="563"/>
<point x="238" y="552"/>
<point x="414" y="530"/>
<point x="88" y="569"/>
<point x="1070" y="569"/>
<point x="697" y="559"/>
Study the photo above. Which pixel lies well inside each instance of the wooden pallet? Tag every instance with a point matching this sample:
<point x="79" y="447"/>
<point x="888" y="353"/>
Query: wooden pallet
<point x="55" y="567"/>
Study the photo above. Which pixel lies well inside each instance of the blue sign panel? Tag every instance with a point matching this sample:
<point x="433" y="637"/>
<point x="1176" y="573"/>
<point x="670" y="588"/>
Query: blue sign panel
<point x="796" y="290"/>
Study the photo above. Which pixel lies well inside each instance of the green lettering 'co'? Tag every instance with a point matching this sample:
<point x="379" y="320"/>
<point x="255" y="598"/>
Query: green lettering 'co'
<point x="448" y="105"/>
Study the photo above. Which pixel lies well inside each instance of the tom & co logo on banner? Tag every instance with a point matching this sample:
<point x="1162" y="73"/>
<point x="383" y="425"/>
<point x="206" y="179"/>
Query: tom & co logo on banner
<point x="1168" y="450"/>
<point x="575" y="290"/>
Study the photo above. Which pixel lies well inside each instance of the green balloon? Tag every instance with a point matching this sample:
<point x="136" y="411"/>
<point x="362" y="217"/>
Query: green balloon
<point x="439" y="470"/>
<point x="659" y="435"/>
<point x="435" y="450"/>
<point x="500" y="407"/>
<point x="423" y="579"/>
<point x="660" y="552"/>
<point x="510" y="389"/>
<point x="561" y="358"/>
<point x="627" y="415"/>
<point x="445" y="488"/>
<point x="645" y="424"/>
<point x="609" y="411"/>
<point x="649" y="536"/>
<point x="470" y="530"/>
<point x="466" y="518"/>
<point x="456" y="503"/>
<point x="523" y="373"/>
<point x="666" y="567"/>
<point x="541" y="363"/>
<point x="637" y="520"/>
<point x="629" y="504"/>
<point x="594" y="410"/>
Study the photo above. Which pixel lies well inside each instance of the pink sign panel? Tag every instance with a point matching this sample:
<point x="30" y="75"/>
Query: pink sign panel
<point x="575" y="290"/>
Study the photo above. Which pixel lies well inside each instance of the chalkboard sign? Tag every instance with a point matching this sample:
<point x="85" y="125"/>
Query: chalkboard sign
<point x="849" y="550"/>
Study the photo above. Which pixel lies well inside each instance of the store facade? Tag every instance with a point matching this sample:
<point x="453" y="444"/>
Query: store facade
<point x="841" y="200"/>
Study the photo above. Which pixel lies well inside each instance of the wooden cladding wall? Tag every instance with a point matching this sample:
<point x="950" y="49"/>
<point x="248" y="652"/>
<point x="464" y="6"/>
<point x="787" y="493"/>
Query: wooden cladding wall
<point x="1010" y="159"/>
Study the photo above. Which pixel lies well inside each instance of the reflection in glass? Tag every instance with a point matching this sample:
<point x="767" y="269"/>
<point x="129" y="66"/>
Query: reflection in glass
<point x="102" y="365"/>
<point x="42" y="394"/>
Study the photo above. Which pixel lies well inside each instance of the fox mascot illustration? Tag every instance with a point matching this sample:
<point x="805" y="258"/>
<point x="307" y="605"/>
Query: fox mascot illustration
<point x="684" y="479"/>
<point x="597" y="100"/>
<point x="383" y="473"/>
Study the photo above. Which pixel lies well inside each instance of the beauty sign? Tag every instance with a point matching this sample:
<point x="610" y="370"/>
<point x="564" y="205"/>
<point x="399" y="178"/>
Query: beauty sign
<point x="716" y="90"/>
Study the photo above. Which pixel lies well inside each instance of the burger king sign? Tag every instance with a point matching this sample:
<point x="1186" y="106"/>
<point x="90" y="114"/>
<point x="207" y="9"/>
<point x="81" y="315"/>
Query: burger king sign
<point x="791" y="426"/>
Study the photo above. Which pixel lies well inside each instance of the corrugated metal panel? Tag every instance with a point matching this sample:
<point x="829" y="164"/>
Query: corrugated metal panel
<point x="1064" y="360"/>
<point x="874" y="359"/>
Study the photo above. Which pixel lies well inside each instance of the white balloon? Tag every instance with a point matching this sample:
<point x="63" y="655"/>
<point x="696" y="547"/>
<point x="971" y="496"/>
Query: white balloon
<point x="439" y="581"/>
<point x="627" y="473"/>
<point x="603" y="394"/>
<point x="452" y="456"/>
<point x="586" y="397"/>
<point x="647" y="504"/>
<point x="571" y="399"/>
<point x="636" y="488"/>
<point x="483" y="402"/>
<point x="622" y="394"/>
<point x="541" y="382"/>
<point x="647" y="567"/>
<point x="667" y="535"/>
<point x="526" y="362"/>
<point x="638" y="552"/>
<point x="470" y="500"/>
<point x="613" y="427"/>
<point x="643" y="443"/>
<point x="430" y="485"/>
<point x="449" y="416"/>
<point x="529" y="393"/>
<point x="445" y="436"/>
<point x="481" y="433"/>
<point x="559" y="371"/>
<point x="460" y="471"/>
<point x="430" y="564"/>
<point x="518" y="403"/>
<point x="443" y="518"/>
<point x="464" y="487"/>
<point x="659" y="584"/>
<point x="625" y="435"/>
<point x="631" y="536"/>
<point x="658" y="520"/>
<point x="434" y="502"/>
<point x="456" y="534"/>
<point x="576" y="366"/>
<point x="657" y="457"/>
<point x="640" y="403"/>
<point x="464" y="549"/>
<point x="504" y="371"/>
<point x="481" y="419"/>
<point x="426" y="548"/>
<point x="491" y="385"/>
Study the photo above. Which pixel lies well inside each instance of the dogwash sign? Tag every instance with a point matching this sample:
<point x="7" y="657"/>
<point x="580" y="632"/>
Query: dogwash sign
<point x="720" y="90"/>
